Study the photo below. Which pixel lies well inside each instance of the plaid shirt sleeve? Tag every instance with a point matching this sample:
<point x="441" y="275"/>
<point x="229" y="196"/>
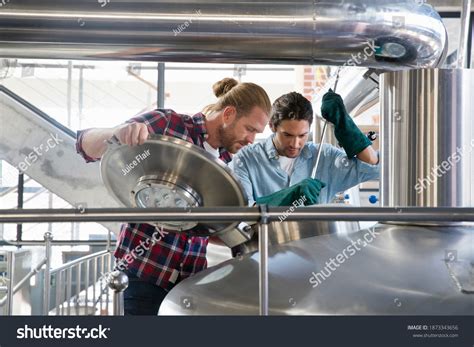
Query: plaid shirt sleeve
<point x="80" y="150"/>
<point x="159" y="256"/>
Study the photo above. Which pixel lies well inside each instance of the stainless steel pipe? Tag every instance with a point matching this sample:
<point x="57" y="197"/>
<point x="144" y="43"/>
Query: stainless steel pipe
<point x="118" y="282"/>
<point x="308" y="32"/>
<point x="247" y="214"/>
<point x="263" y="269"/>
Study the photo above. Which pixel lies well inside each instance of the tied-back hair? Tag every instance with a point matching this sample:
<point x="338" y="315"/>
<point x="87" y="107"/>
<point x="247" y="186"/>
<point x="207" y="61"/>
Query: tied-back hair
<point x="243" y="96"/>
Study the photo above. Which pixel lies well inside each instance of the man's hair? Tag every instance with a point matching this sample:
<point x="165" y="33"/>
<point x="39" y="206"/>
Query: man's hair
<point x="243" y="96"/>
<point x="291" y="106"/>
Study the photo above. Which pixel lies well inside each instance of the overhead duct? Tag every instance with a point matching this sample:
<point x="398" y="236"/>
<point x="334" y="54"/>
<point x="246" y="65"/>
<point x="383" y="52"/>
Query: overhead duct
<point x="399" y="33"/>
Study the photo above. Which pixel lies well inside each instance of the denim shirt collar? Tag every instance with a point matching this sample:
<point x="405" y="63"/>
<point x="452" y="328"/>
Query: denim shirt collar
<point x="272" y="153"/>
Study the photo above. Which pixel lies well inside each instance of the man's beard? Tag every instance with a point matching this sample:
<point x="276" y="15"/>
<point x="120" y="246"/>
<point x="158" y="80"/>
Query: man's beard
<point x="228" y="138"/>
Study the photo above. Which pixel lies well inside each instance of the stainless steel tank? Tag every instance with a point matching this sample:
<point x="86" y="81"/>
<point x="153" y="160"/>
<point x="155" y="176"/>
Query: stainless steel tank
<point x="398" y="269"/>
<point x="401" y="270"/>
<point x="282" y="232"/>
<point x="428" y="138"/>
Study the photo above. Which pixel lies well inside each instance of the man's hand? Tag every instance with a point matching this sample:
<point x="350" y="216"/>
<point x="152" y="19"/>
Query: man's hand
<point x="307" y="191"/>
<point x="131" y="134"/>
<point x="333" y="108"/>
<point x="94" y="140"/>
<point x="347" y="133"/>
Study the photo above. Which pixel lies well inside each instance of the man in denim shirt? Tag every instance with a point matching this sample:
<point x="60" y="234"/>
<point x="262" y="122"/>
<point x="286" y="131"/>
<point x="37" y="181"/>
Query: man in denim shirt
<point x="286" y="159"/>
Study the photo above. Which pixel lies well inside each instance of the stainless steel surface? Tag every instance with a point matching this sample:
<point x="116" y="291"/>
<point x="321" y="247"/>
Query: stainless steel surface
<point x="118" y="282"/>
<point x="237" y="236"/>
<point x="446" y="5"/>
<point x="464" y="34"/>
<point x="178" y="170"/>
<point x="284" y="232"/>
<point x="48" y="237"/>
<point x="247" y="214"/>
<point x="263" y="268"/>
<point x="59" y="169"/>
<point x="403" y="270"/>
<point x="427" y="138"/>
<point x="322" y="32"/>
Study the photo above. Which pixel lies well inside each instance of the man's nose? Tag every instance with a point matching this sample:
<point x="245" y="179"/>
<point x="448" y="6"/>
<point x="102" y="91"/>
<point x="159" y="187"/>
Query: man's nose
<point x="250" y="138"/>
<point x="295" y="142"/>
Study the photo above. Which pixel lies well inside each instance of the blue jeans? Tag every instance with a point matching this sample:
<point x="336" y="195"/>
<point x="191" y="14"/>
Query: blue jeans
<point x="142" y="298"/>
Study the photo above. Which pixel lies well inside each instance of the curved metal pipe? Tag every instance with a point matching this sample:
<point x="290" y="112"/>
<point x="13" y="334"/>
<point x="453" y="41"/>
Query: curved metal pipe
<point x="330" y="33"/>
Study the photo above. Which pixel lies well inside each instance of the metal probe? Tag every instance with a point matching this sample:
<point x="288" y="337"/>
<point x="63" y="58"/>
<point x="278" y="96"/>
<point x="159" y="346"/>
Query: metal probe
<point x="313" y="173"/>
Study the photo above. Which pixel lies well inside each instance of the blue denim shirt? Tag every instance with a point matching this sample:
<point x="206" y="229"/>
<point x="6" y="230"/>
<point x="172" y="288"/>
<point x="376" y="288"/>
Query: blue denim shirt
<point x="258" y="169"/>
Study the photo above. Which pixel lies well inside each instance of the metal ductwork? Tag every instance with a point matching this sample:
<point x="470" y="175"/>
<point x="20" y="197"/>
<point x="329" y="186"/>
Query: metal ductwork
<point x="399" y="33"/>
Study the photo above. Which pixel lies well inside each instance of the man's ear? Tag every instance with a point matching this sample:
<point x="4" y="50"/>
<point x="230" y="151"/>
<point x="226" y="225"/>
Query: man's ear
<point x="272" y="127"/>
<point x="229" y="114"/>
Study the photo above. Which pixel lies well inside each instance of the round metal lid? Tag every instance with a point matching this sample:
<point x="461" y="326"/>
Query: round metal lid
<point x="169" y="172"/>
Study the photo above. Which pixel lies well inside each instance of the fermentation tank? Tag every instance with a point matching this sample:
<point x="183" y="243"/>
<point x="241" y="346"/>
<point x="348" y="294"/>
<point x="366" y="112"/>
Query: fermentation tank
<point x="391" y="268"/>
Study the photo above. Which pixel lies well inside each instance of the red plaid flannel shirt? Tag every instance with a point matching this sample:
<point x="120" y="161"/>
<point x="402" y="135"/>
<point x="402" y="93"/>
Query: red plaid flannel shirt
<point x="158" y="256"/>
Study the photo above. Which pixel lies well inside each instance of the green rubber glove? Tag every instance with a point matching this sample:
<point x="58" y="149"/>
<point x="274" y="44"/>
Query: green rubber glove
<point x="347" y="133"/>
<point x="306" y="192"/>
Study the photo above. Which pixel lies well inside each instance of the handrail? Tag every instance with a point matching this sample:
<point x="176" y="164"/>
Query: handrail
<point x="37" y="111"/>
<point x="55" y="242"/>
<point x="233" y="214"/>
<point x="79" y="260"/>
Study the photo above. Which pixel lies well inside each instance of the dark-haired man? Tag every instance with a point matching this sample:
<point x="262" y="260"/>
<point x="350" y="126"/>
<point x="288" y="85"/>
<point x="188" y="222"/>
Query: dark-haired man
<point x="278" y="170"/>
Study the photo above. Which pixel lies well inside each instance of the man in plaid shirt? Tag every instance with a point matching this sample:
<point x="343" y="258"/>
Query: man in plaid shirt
<point x="156" y="260"/>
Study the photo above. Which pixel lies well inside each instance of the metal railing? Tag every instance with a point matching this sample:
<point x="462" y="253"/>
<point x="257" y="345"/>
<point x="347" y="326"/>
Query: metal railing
<point x="261" y="214"/>
<point x="68" y="294"/>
